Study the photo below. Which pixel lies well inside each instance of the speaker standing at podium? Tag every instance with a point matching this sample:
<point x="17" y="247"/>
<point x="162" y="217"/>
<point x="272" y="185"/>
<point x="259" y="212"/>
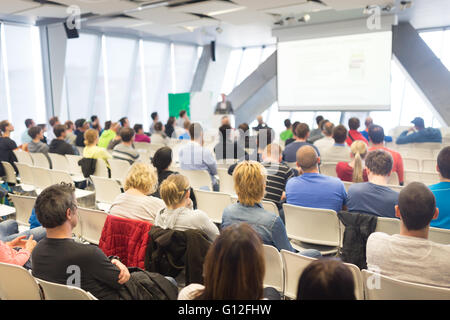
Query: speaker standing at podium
<point x="224" y="107"/>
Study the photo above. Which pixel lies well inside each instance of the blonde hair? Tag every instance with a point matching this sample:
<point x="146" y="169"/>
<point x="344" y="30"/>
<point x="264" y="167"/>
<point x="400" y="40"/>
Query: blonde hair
<point x="249" y="182"/>
<point x="359" y="150"/>
<point x="173" y="189"/>
<point x="273" y="150"/>
<point x="142" y="177"/>
<point x="90" y="136"/>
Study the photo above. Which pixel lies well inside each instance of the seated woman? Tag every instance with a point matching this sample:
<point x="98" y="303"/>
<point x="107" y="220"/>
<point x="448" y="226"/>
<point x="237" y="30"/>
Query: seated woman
<point x="233" y="269"/>
<point x="91" y="149"/>
<point x="179" y="215"/>
<point x="140" y="135"/>
<point x="136" y="203"/>
<point x="354" y="171"/>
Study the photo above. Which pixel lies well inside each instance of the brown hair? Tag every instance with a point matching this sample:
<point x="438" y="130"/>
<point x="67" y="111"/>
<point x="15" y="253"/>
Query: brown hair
<point x="90" y="136"/>
<point x="234" y="266"/>
<point x="249" y="182"/>
<point x="173" y="189"/>
<point x="379" y="162"/>
<point x="302" y="130"/>
<point x="359" y="150"/>
<point x="339" y="134"/>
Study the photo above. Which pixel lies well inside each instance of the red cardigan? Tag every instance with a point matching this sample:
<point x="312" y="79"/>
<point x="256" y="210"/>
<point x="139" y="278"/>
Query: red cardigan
<point x="356" y="135"/>
<point x="345" y="172"/>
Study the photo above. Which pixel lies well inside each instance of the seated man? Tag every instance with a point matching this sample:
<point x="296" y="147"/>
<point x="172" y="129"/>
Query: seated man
<point x="441" y="190"/>
<point x="410" y="256"/>
<point x="312" y="189"/>
<point x="327" y="140"/>
<point x="287" y="134"/>
<point x="59" y="145"/>
<point x="301" y="135"/>
<point x="374" y="197"/>
<point x="316" y="134"/>
<point x="353" y="133"/>
<point x="36" y="145"/>
<point x="125" y="150"/>
<point x="339" y="151"/>
<point x="419" y="133"/>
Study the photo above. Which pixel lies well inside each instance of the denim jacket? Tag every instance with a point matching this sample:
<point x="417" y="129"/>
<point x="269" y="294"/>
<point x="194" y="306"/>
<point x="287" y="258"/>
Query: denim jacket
<point x="268" y="225"/>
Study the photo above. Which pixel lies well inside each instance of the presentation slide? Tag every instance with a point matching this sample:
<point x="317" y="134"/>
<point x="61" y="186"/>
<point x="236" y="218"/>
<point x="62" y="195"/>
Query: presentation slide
<point x="351" y="72"/>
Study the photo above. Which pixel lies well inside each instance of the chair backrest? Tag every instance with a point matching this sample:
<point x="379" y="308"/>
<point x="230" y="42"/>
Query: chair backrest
<point x="153" y="147"/>
<point x="292" y="165"/>
<point x="16" y="283"/>
<point x="411" y="164"/>
<point x="226" y="181"/>
<point x="198" y="178"/>
<point x="328" y="169"/>
<point x="388" y="225"/>
<point x="358" y="281"/>
<point x="270" y="206"/>
<point x="310" y="225"/>
<point x="439" y="235"/>
<point x="60" y="176"/>
<point x="74" y="168"/>
<point x="23" y="157"/>
<point x="119" y="169"/>
<point x="274" y="275"/>
<point x="40" y="160"/>
<point x="101" y="170"/>
<point x="429" y="177"/>
<point x="10" y="173"/>
<point x="393" y="179"/>
<point x="212" y="203"/>
<point x="91" y="223"/>
<point x="397" y="188"/>
<point x="380" y="287"/>
<point x="24" y="206"/>
<point x="26" y="176"/>
<point x="347" y="185"/>
<point x="429" y="165"/>
<point x="59" y="162"/>
<point x="42" y="177"/>
<point x="294" y="264"/>
<point x="106" y="190"/>
<point x="55" y="291"/>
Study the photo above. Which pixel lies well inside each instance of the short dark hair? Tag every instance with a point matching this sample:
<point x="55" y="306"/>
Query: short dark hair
<point x="122" y="121"/>
<point x="34" y="131"/>
<point x="170" y="121"/>
<point x="52" y="203"/>
<point x="340" y="134"/>
<point x="126" y="134"/>
<point x="223" y="131"/>
<point x="353" y="123"/>
<point x="138" y="127"/>
<point x="326" y="279"/>
<point x="68" y="124"/>
<point x="417" y="205"/>
<point x="53" y="120"/>
<point x="158" y="126"/>
<point x="182" y="113"/>
<point x="379" y="162"/>
<point x="162" y="159"/>
<point x="59" y="129"/>
<point x="294" y="127"/>
<point x="244" y="127"/>
<point x="195" y="130"/>
<point x="376" y="134"/>
<point x="318" y="119"/>
<point x="154" y="115"/>
<point x="108" y="125"/>
<point x="79" y="123"/>
<point x="287" y="123"/>
<point x="302" y="130"/>
<point x="93" y="118"/>
<point x="28" y="122"/>
<point x="264" y="138"/>
<point x="443" y="162"/>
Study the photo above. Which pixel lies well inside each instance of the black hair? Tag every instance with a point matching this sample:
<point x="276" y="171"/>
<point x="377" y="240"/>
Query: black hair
<point x="126" y="134"/>
<point x="376" y="134"/>
<point x="287" y="123"/>
<point x="28" y="122"/>
<point x="138" y="127"/>
<point x="443" y="162"/>
<point x="59" y="129"/>
<point x="353" y="123"/>
<point x="122" y="121"/>
<point x="79" y="123"/>
<point x="34" y="131"/>
<point x="154" y="115"/>
<point x="318" y="119"/>
<point x="162" y="159"/>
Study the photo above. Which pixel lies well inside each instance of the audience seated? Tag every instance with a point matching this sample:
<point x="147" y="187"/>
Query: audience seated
<point x="135" y="203"/>
<point x="419" y="133"/>
<point x="36" y="146"/>
<point x="185" y="135"/>
<point x="17" y="251"/>
<point x="374" y="197"/>
<point x="81" y="125"/>
<point x="312" y="189"/>
<point x="183" y="116"/>
<point x="71" y="137"/>
<point x="339" y="151"/>
<point x="140" y="135"/>
<point x="301" y="135"/>
<point x="294" y="137"/>
<point x="43" y="126"/>
<point x="326" y="279"/>
<point x="92" y="150"/>
<point x="327" y="140"/>
<point x="170" y="127"/>
<point x="7" y="146"/>
<point x="124" y="122"/>
<point x="234" y="269"/>
<point x="287" y="134"/>
<point x="59" y="144"/>
<point x="376" y="136"/>
<point x="316" y="134"/>
<point x="353" y="133"/>
<point x="367" y="123"/>
<point x="54" y="121"/>
<point x="25" y="137"/>
<point x="226" y="148"/>
<point x="354" y="171"/>
<point x="155" y="119"/>
<point x="441" y="190"/>
<point x="261" y="124"/>
<point x="179" y="214"/>
<point x="158" y="136"/>
<point x="95" y="124"/>
<point x="108" y="135"/>
<point x="410" y="256"/>
<point x="125" y="150"/>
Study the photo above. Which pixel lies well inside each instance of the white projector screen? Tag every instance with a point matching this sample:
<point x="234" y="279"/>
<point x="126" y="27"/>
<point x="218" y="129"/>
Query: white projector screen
<point x="350" y="72"/>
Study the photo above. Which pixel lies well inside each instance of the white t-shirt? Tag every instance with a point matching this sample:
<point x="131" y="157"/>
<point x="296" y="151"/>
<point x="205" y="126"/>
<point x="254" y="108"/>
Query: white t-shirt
<point x="409" y="259"/>
<point x="136" y="207"/>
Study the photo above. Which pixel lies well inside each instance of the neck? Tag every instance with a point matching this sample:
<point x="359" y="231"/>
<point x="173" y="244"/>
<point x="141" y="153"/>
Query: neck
<point x="380" y="180"/>
<point x="378" y="144"/>
<point x="442" y="179"/>
<point x="129" y="144"/>
<point x="61" y="138"/>
<point x="315" y="170"/>
<point x="6" y="134"/>
<point x="180" y="205"/>
<point x="61" y="232"/>
<point x="300" y="139"/>
<point x="36" y="140"/>
<point x="134" y="191"/>
<point x="423" y="233"/>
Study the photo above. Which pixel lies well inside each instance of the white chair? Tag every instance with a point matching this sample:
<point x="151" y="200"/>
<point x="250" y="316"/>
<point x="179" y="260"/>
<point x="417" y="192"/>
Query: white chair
<point x="16" y="283"/>
<point x="274" y="275"/>
<point x="429" y="165"/>
<point x="59" y="162"/>
<point x="42" y="178"/>
<point x="10" y="173"/>
<point x="294" y="264"/>
<point x="106" y="191"/>
<point x="270" y="206"/>
<point x="357" y="279"/>
<point x="119" y="169"/>
<point x="91" y="223"/>
<point x="388" y="225"/>
<point x="380" y="287"/>
<point x="411" y="176"/>
<point x="62" y="176"/>
<point x="55" y="291"/>
<point x="328" y="169"/>
<point x="347" y="185"/>
<point x="429" y="178"/>
<point x="226" y="181"/>
<point x="292" y="165"/>
<point x="212" y="203"/>
<point x="411" y="164"/>
<point x="23" y="157"/>
<point x="393" y="179"/>
<point x="74" y="168"/>
<point x="40" y="160"/>
<point x="26" y="176"/>
<point x="153" y="147"/>
<point x="439" y="235"/>
<point x="314" y="228"/>
<point x="101" y="170"/>
<point x="24" y="206"/>
<point x="6" y="210"/>
<point x="198" y="178"/>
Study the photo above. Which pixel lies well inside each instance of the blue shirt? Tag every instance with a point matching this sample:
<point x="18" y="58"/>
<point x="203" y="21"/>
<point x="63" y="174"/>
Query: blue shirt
<point x="184" y="136"/>
<point x="290" y="151"/>
<point x="366" y="135"/>
<point x="367" y="197"/>
<point x="194" y="157"/>
<point x="314" y="190"/>
<point x="25" y="137"/>
<point x="424" y="135"/>
<point x="33" y="221"/>
<point x="268" y="225"/>
<point x="441" y="192"/>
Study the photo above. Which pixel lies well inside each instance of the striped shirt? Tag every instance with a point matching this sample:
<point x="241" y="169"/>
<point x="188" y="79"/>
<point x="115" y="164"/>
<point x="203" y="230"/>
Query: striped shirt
<point x="278" y="175"/>
<point x="123" y="152"/>
<point x="136" y="207"/>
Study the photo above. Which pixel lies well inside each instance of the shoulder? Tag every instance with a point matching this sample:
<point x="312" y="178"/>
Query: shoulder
<point x="377" y="240"/>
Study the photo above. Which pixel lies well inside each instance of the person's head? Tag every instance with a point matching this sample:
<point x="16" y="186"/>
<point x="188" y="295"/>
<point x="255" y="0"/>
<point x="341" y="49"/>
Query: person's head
<point x="138" y="129"/>
<point x="80" y="124"/>
<point x="359" y="152"/>
<point x="60" y="131"/>
<point x="196" y="131"/>
<point x="368" y="122"/>
<point x="115" y="126"/>
<point x="53" y="121"/>
<point x="224" y="132"/>
<point x="182" y="113"/>
<point x="294" y="128"/>
<point x="419" y="124"/>
<point x="249" y="182"/>
<point x="302" y="131"/>
<point x="186" y="125"/>
<point x="162" y="159"/>
<point x="318" y="120"/>
<point x="243" y="127"/>
<point x="224" y="120"/>
<point x="327" y="129"/>
<point x="124" y="122"/>
<point x="376" y="134"/>
<point x="141" y="177"/>
<point x="307" y="159"/>
<point x="127" y="135"/>
<point x="326" y="279"/>
<point x="379" y="163"/>
<point x="171" y="121"/>
<point x="108" y="125"/>
<point x="56" y="207"/>
<point x="353" y="123"/>
<point x="264" y="138"/>
<point x="154" y="116"/>
<point x="29" y="123"/>
<point x="175" y="190"/>
<point x="36" y="133"/>
<point x="224" y="97"/>
<point x="90" y="137"/>
<point x="158" y="127"/>
<point x="94" y="120"/>
<point x="260" y="119"/>
<point x="443" y="163"/>
<point x="416" y="207"/>
<point x="287" y="123"/>
<point x="6" y="127"/>
<point x="69" y="125"/>
<point x="234" y="266"/>
<point x="272" y="153"/>
<point x="340" y="134"/>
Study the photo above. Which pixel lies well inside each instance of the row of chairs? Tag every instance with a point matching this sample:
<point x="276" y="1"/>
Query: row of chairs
<point x="420" y="164"/>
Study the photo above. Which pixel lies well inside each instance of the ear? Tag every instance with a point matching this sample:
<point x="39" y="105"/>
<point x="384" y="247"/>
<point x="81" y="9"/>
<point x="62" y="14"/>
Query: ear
<point x="397" y="212"/>
<point x="188" y="194"/>
<point x="68" y="214"/>
<point x="436" y="214"/>
<point x="437" y="168"/>
<point x="280" y="158"/>
<point x="319" y="161"/>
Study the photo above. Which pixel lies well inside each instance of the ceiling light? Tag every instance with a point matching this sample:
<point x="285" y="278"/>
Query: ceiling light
<point x="216" y="13"/>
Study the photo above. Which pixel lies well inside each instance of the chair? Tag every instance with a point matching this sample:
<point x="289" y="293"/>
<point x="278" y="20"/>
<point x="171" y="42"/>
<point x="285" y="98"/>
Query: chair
<point x="16" y="283"/>
<point x="26" y="176"/>
<point x="294" y="264"/>
<point x="347" y="185"/>
<point x="23" y="157"/>
<point x="106" y="191"/>
<point x="411" y="176"/>
<point x="74" y="168"/>
<point x="153" y="147"/>
<point x="274" y="275"/>
<point x="393" y="179"/>
<point x="42" y="177"/>
<point x="292" y="165"/>
<point x="10" y="173"/>
<point x="358" y="280"/>
<point x="429" y="177"/>
<point x="40" y="160"/>
<point x="212" y="203"/>
<point x="24" y="206"/>
<point x="59" y="162"/>
<point x="270" y="206"/>
<point x="314" y="228"/>
<point x="380" y="287"/>
<point x="397" y="188"/>
<point x="62" y="176"/>
<point x="226" y="181"/>
<point x="119" y="169"/>
<point x="6" y="210"/>
<point x="388" y="225"/>
<point x="429" y="165"/>
<point x="91" y="223"/>
<point x="439" y="235"/>
<point x="328" y="169"/>
<point x="55" y="291"/>
<point x="198" y="178"/>
<point x="101" y="170"/>
<point x="411" y="164"/>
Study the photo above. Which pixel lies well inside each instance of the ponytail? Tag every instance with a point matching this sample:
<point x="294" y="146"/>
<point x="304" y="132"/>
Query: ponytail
<point x="359" y="150"/>
<point x="173" y="189"/>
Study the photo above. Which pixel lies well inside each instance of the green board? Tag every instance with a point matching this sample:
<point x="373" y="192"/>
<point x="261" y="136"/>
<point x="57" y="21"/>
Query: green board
<point x="178" y="102"/>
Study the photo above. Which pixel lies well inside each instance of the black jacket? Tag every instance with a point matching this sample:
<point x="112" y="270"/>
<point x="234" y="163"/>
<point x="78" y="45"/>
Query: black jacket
<point x="60" y="147"/>
<point x="87" y="166"/>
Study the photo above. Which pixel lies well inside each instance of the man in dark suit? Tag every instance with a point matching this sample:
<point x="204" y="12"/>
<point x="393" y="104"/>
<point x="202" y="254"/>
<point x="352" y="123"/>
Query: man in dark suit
<point x="224" y="107"/>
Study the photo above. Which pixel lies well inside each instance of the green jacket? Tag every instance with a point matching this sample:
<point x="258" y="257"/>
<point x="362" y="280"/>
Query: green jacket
<point x="106" y="137"/>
